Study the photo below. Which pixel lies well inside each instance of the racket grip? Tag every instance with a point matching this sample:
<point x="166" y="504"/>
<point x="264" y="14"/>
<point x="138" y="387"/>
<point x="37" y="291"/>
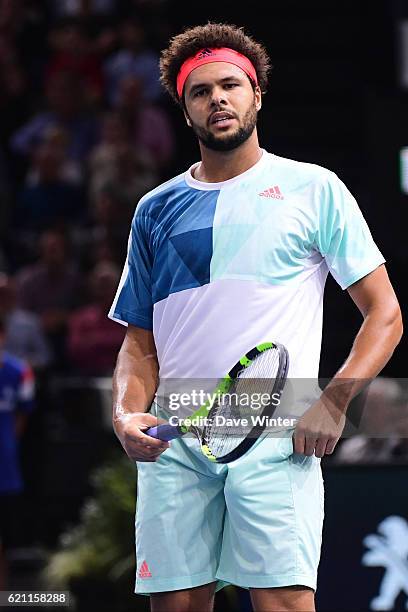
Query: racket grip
<point x="164" y="432"/>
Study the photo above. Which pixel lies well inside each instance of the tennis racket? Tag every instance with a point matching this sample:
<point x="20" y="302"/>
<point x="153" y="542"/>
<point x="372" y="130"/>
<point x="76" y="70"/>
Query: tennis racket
<point x="231" y="426"/>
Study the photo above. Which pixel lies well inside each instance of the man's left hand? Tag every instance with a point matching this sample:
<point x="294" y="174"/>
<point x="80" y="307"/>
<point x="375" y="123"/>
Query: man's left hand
<point x="319" y="429"/>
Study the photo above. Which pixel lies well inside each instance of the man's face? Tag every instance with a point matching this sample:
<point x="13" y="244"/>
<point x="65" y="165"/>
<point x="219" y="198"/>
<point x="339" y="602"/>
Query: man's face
<point x="221" y="105"/>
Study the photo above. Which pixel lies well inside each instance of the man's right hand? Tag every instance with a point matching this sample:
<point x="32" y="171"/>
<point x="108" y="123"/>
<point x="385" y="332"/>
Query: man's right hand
<point x="130" y="428"/>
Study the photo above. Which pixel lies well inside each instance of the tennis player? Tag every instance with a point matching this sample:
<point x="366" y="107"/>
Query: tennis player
<point x="233" y="252"/>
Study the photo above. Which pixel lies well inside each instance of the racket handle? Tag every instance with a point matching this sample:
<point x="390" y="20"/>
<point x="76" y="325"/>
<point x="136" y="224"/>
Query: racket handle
<point x="164" y="432"/>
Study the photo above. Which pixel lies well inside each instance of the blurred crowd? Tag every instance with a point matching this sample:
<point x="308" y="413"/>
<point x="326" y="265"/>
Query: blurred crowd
<point x="84" y="132"/>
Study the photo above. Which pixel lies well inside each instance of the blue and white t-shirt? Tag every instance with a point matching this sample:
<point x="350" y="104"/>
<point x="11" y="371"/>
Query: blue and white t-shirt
<point x="216" y="268"/>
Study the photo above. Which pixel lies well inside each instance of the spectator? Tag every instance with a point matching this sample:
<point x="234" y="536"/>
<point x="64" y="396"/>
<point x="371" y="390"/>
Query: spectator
<point x="70" y="170"/>
<point x="64" y="93"/>
<point x="52" y="194"/>
<point x="49" y="289"/>
<point x="102" y="160"/>
<point x="134" y="175"/>
<point x="106" y="238"/>
<point x="16" y="402"/>
<point x="24" y="337"/>
<point x="93" y="340"/>
<point x="135" y="59"/>
<point x="115" y="160"/>
<point x="148" y="126"/>
<point x="383" y="428"/>
<point x="74" y="53"/>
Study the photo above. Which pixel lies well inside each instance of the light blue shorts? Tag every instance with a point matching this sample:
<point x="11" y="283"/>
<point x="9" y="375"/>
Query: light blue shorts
<point x="256" y="522"/>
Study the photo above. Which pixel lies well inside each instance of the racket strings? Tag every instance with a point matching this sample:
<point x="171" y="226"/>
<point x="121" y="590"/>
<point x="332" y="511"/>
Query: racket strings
<point x="237" y="412"/>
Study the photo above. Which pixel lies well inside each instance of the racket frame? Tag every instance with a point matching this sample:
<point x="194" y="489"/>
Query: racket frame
<point x="209" y="409"/>
<point x="269" y="409"/>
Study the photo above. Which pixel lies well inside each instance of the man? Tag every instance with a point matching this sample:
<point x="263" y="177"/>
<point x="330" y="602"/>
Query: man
<point x="25" y="338"/>
<point x="94" y="340"/>
<point x="231" y="253"/>
<point x="49" y="288"/>
<point x="16" y="402"/>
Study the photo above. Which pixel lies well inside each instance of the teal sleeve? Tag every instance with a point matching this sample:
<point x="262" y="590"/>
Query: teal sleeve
<point x="343" y="236"/>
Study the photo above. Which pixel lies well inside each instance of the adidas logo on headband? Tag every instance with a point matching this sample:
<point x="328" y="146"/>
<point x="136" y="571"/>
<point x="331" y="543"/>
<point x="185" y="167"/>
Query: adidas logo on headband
<point x="204" y="53"/>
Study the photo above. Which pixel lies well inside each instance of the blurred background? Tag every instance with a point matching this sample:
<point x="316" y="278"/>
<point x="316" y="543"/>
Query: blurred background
<point x="85" y="131"/>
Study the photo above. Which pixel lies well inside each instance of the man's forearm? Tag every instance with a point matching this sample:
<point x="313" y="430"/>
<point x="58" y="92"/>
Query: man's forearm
<point x="373" y="346"/>
<point x="320" y="427"/>
<point x="134" y="384"/>
<point x="135" y="378"/>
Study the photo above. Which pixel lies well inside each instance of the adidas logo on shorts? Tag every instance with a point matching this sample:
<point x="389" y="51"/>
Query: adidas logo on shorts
<point x="144" y="571"/>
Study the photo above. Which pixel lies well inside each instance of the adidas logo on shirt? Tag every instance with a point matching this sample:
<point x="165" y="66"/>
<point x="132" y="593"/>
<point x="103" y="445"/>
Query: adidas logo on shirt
<point x="272" y="192"/>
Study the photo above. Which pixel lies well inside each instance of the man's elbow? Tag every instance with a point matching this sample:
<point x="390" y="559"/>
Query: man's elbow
<point x="393" y="320"/>
<point x="399" y="325"/>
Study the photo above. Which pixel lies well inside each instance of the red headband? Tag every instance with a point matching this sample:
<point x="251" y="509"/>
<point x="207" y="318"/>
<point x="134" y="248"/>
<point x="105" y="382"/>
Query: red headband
<point x="206" y="56"/>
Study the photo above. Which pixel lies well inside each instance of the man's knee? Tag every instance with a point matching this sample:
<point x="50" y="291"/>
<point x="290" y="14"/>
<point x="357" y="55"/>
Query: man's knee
<point x="283" y="599"/>
<point x="197" y="599"/>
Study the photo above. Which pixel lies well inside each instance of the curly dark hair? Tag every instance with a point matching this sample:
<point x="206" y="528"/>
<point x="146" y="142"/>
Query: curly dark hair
<point x="211" y="35"/>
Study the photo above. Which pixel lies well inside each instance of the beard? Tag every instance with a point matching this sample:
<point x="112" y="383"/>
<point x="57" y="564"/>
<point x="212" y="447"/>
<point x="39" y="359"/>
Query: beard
<point x="232" y="141"/>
